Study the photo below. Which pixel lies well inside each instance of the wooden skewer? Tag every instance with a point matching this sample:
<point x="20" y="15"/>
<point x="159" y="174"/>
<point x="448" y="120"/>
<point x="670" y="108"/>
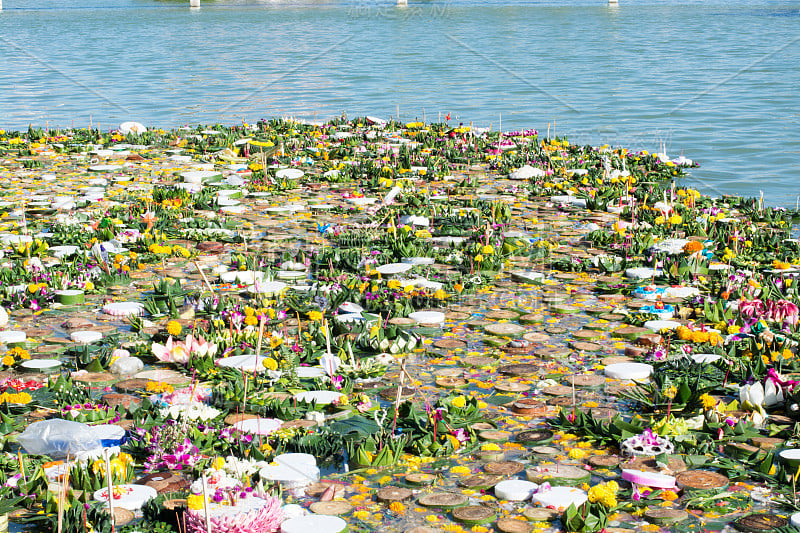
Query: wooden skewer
<point x="110" y="489"/>
<point x="202" y="273"/>
<point x="205" y="506"/>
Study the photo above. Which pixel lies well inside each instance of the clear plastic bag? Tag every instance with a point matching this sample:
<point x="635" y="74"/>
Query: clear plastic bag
<point x="58" y="438"/>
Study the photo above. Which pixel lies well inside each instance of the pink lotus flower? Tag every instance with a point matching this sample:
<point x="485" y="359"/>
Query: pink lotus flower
<point x="181" y="352"/>
<point x="752" y="308"/>
<point x="783" y="310"/>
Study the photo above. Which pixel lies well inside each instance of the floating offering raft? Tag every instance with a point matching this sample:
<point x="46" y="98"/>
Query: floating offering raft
<point x="364" y="325"/>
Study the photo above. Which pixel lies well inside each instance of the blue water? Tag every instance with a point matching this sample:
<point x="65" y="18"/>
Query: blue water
<point x="716" y="80"/>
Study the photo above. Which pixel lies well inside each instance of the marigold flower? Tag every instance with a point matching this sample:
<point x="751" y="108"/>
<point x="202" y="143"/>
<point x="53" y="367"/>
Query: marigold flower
<point x="174" y="328"/>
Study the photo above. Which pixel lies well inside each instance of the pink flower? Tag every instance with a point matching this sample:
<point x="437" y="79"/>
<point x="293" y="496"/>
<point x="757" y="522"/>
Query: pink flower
<point x="181" y="352"/>
<point x="171" y="352"/>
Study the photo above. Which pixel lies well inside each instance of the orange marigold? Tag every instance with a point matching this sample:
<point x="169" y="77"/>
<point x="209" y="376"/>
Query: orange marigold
<point x="692" y="247"/>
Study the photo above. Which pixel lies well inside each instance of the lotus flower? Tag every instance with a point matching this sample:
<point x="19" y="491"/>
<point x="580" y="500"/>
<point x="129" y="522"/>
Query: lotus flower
<point x="783" y="311"/>
<point x="773" y="393"/>
<point x="200" y="346"/>
<point x="171" y="352"/>
<point x="752" y="308"/>
<point x="752" y="394"/>
<point x="181" y="352"/>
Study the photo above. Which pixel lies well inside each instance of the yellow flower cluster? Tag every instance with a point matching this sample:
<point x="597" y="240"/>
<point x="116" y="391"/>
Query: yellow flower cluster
<point x="19" y="353"/>
<point x="180" y="251"/>
<point x="195" y="502"/>
<point x="605" y="494"/>
<point x="21" y="398"/>
<point x="157" y="387"/>
<point x="780" y="265"/>
<point x="698" y="337"/>
<point x="159" y="249"/>
<point x="174" y="328"/>
<point x="119" y="467"/>
<point x="459" y="401"/>
<point x="708" y="402"/>
<point x="270" y="363"/>
<point x="670" y="392"/>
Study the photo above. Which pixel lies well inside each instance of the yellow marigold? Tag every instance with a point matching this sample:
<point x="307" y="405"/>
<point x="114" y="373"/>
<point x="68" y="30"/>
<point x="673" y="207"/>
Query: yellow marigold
<point x="458" y="401"/>
<point x="670" y="392"/>
<point x="174" y="328"/>
<point x="460" y="470"/>
<point x="315" y="316"/>
<point x="669" y="495"/>
<point x="684" y="333"/>
<point x="195" y="502"/>
<point x="708" y="402"/>
<point x="397" y="508"/>
<point x="490" y="447"/>
<point x="361" y="515"/>
<point x="250" y="320"/>
<point x="8" y="360"/>
<point x="270" y="363"/>
<point x="577" y="453"/>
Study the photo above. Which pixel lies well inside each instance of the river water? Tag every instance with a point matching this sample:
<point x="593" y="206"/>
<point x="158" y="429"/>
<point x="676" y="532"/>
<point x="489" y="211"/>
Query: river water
<point x="715" y="80"/>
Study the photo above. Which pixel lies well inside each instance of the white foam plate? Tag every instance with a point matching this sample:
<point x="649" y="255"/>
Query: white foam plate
<point x="41" y="364"/>
<point x="245" y="277"/>
<point x="266" y="287"/>
<point x="132" y="499"/>
<point x="258" y="426"/>
<point x="85" y="337"/>
<point x="560" y="497"/>
<point x="289" y="174"/>
<point x="293" y="474"/>
<point x="247" y="362"/>
<point x="321" y="397"/>
<point x="515" y="490"/>
<point x="124" y="309"/>
<point x="394" y="268"/>
<point x="628" y="371"/>
<point x="643" y="272"/>
<point x="309" y="372"/>
<point x="658" y="325"/>
<point x="12" y="337"/>
<point x="428" y="317"/>
<point x="318" y="523"/>
<point x="705" y="358"/>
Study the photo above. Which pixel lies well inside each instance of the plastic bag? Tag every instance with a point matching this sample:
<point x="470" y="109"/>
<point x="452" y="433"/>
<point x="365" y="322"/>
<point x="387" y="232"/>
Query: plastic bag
<point x="58" y="438"/>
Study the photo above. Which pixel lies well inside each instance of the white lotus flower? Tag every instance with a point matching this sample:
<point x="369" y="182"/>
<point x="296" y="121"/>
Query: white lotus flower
<point x="752" y="394"/>
<point x="773" y="394"/>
